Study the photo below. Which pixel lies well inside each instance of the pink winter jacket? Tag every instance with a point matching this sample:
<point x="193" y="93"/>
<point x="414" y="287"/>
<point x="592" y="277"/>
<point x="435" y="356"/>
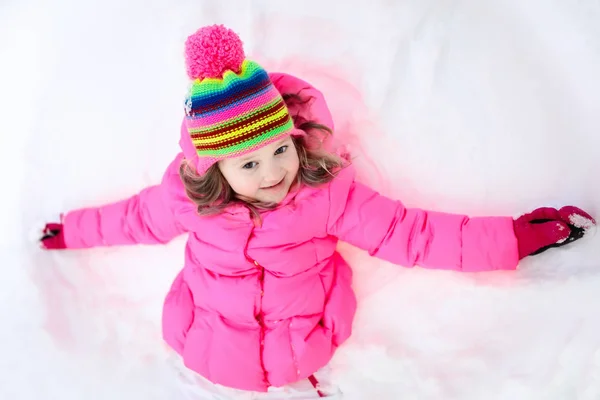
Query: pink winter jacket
<point x="260" y="306"/>
<point x="264" y="306"/>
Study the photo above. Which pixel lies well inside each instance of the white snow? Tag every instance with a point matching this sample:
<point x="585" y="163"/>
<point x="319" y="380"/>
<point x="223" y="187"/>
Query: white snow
<point x="581" y="221"/>
<point x="478" y="107"/>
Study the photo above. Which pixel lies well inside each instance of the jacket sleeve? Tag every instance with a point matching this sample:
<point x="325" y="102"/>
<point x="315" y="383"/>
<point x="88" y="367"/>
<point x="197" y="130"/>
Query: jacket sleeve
<point x="148" y="217"/>
<point x="411" y="236"/>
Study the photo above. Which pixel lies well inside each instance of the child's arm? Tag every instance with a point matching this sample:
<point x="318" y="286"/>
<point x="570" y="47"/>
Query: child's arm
<point x="148" y="217"/>
<point x="411" y="236"/>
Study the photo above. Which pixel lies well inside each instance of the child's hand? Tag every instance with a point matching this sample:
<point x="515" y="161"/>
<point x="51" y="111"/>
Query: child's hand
<point x="546" y="227"/>
<point x="53" y="237"/>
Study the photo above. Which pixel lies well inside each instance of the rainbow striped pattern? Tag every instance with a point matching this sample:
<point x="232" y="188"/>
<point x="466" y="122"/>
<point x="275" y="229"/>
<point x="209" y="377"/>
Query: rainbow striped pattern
<point x="236" y="114"/>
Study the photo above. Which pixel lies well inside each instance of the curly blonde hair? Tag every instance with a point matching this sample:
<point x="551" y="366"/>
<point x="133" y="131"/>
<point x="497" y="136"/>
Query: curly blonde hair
<point x="212" y="193"/>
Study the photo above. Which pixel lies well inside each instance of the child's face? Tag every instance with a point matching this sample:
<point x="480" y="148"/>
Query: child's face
<point x="266" y="174"/>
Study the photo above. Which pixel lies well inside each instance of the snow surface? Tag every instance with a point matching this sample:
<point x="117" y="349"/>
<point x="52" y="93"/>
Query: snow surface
<point x="479" y="107"/>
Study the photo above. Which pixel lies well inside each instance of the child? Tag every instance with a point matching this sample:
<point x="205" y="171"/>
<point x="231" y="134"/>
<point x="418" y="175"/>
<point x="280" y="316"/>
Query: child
<point x="263" y="298"/>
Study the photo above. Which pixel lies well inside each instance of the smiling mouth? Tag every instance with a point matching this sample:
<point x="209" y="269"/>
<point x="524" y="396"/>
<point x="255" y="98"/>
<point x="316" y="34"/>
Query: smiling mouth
<point x="275" y="186"/>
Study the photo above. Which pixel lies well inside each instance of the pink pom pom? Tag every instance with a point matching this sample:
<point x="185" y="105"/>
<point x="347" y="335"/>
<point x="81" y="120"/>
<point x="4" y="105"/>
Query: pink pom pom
<point x="213" y="50"/>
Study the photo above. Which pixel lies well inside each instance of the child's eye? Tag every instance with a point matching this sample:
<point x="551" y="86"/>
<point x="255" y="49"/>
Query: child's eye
<point x="282" y="149"/>
<point x="249" y="165"/>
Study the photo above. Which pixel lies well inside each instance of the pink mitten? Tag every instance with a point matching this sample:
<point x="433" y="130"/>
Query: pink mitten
<point x="546" y="227"/>
<point x="53" y="237"/>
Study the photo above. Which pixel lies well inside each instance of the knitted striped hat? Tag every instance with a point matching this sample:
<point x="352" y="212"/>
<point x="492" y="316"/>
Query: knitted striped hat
<point x="232" y="107"/>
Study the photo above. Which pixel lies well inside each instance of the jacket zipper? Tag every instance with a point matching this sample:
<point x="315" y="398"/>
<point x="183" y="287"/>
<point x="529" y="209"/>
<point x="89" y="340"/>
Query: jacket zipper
<point x="261" y="322"/>
<point x="259" y="317"/>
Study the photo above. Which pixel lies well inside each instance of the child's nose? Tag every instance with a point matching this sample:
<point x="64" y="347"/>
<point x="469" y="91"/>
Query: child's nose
<point x="274" y="174"/>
